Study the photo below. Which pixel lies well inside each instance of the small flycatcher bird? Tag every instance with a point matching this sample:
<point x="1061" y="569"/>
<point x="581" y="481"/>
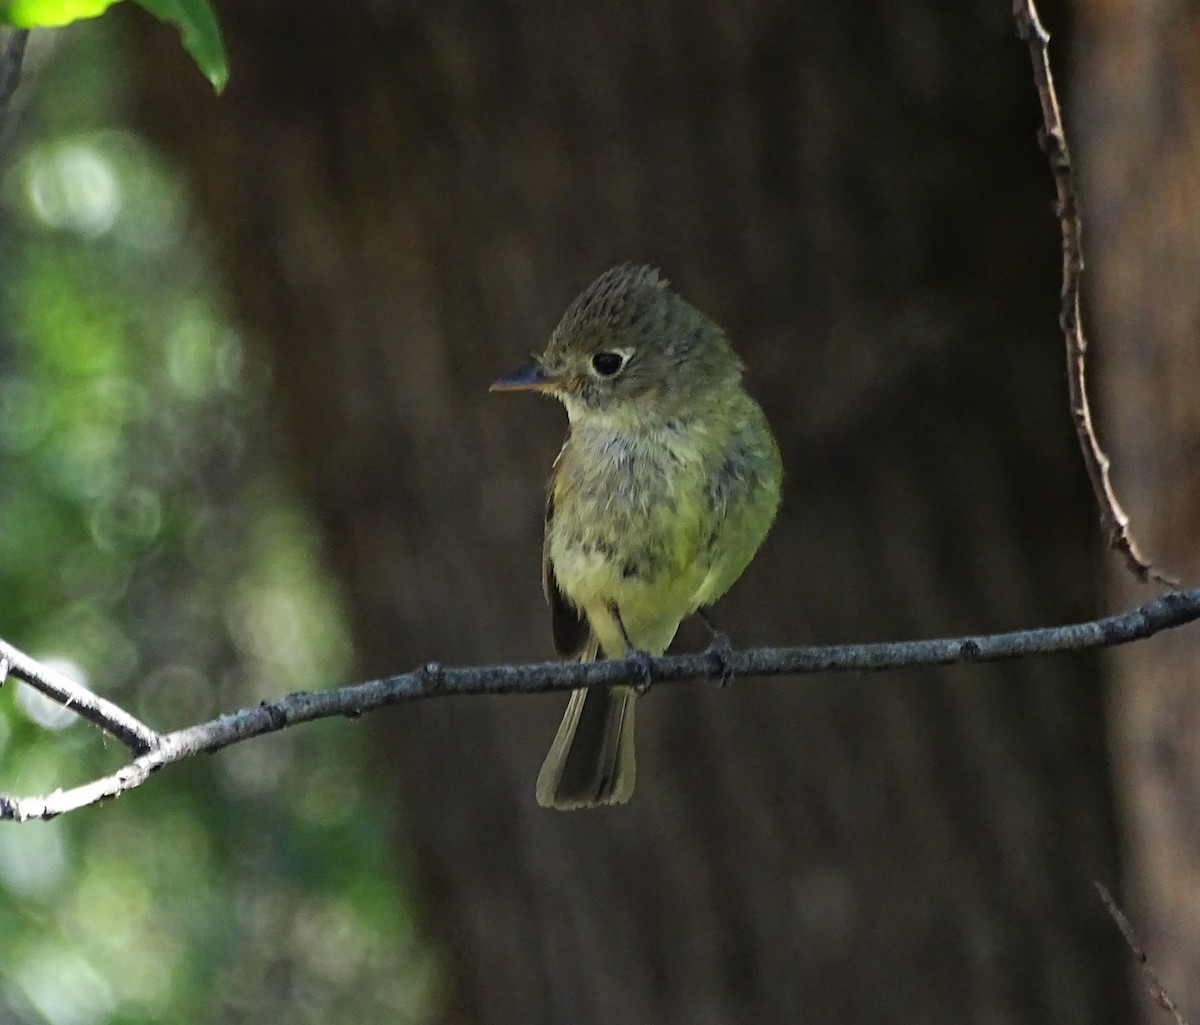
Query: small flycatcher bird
<point x="663" y="491"/>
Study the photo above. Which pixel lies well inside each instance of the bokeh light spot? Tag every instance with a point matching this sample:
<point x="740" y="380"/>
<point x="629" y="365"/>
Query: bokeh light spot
<point x="25" y="415"/>
<point x="127" y="518"/>
<point x="43" y="710"/>
<point x="72" y="185"/>
<point x="32" y="858"/>
<point x="65" y="987"/>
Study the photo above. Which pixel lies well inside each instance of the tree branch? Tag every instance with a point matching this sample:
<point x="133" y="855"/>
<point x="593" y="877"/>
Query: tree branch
<point x="1161" y="996"/>
<point x="1053" y="141"/>
<point x="131" y="732"/>
<point x="433" y="680"/>
<point x="11" y="58"/>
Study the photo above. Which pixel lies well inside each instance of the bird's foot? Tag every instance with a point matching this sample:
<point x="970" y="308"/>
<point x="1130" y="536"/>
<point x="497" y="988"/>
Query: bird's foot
<point x="643" y="664"/>
<point x="720" y="650"/>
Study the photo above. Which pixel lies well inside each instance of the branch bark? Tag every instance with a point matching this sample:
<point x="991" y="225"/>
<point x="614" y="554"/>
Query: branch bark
<point x="1053" y="140"/>
<point x="433" y="680"/>
<point x="1157" y="990"/>
<point x="12" y="57"/>
<point x="113" y="719"/>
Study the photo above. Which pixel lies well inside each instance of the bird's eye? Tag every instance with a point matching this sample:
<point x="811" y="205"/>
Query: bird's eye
<point x="607" y="363"/>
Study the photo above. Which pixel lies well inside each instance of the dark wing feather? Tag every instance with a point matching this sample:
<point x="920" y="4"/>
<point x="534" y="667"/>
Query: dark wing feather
<point x="570" y="626"/>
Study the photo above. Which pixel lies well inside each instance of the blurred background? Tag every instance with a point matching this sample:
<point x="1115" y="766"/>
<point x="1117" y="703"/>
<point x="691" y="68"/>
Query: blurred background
<point x="247" y="448"/>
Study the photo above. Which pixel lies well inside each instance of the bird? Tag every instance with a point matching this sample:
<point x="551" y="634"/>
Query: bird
<point x="665" y="488"/>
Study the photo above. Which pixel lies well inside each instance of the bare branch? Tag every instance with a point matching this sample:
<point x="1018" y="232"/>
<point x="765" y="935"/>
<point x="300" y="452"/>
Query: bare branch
<point x="1054" y="144"/>
<point x="11" y="59"/>
<point x="432" y="680"/>
<point x="131" y="732"/>
<point x="1161" y="996"/>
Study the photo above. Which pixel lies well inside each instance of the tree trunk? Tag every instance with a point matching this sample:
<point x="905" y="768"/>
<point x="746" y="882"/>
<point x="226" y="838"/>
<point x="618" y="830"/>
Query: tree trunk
<point x="1139" y="111"/>
<point x="404" y="197"/>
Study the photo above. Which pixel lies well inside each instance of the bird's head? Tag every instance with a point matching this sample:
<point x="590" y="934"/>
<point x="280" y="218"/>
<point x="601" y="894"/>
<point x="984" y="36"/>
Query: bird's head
<point x="628" y="344"/>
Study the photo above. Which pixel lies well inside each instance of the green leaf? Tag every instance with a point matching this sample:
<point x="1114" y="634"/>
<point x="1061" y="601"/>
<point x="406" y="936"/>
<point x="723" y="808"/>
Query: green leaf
<point x="201" y="34"/>
<point x="44" y="13"/>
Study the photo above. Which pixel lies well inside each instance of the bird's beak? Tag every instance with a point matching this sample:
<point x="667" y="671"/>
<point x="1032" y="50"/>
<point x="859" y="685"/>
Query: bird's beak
<point x="531" y="376"/>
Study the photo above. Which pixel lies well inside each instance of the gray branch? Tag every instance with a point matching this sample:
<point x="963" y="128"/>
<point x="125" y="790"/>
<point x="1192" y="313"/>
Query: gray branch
<point x="131" y="732"/>
<point x="433" y="680"/>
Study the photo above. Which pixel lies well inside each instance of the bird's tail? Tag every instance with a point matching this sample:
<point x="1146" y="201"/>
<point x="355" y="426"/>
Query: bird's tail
<point x="591" y="762"/>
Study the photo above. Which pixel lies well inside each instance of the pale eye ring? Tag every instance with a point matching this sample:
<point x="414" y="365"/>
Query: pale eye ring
<point x="609" y="364"/>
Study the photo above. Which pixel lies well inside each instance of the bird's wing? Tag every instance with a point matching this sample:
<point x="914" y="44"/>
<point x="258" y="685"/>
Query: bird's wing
<point x="572" y="634"/>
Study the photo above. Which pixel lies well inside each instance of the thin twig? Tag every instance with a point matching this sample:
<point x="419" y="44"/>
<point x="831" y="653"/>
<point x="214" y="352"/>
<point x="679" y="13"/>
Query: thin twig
<point x="1164" y="613"/>
<point x="1157" y="990"/>
<point x="1054" y="144"/>
<point x="11" y="59"/>
<point x="130" y="731"/>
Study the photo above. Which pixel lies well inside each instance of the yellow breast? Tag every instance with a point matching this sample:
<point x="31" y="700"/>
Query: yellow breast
<point x="633" y="529"/>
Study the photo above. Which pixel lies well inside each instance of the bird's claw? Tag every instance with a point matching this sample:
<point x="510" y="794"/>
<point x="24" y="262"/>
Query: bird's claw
<point x="721" y="651"/>
<point x="643" y="665"/>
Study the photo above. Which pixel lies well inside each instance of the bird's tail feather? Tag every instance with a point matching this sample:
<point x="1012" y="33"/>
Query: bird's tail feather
<point x="591" y="762"/>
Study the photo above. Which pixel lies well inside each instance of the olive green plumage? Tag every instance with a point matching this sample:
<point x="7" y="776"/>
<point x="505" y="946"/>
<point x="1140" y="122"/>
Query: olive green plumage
<point x="663" y="491"/>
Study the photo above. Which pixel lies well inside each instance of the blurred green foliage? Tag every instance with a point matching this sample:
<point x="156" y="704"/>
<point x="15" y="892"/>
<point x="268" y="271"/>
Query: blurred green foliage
<point x="149" y="544"/>
<point x="197" y="24"/>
